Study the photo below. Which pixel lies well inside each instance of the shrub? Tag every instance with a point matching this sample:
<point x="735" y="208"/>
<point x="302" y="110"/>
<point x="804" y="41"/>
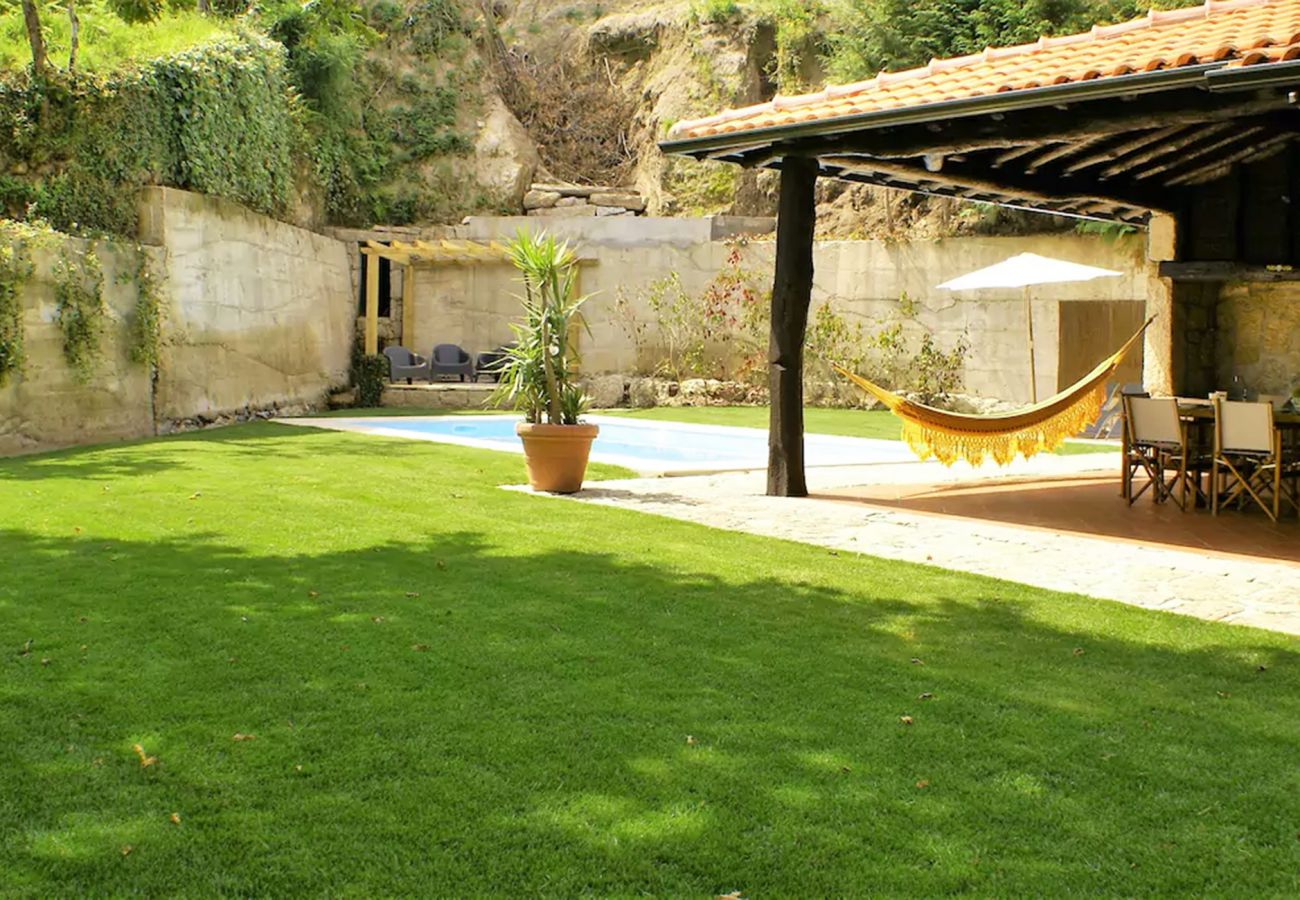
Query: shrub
<point x="369" y="374"/>
<point x="217" y="119"/>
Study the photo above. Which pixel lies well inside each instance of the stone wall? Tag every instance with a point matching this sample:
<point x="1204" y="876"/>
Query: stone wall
<point x="473" y="305"/>
<point x="1258" y="337"/>
<point x="257" y="315"/>
<point x="261" y="312"/>
<point x="47" y="406"/>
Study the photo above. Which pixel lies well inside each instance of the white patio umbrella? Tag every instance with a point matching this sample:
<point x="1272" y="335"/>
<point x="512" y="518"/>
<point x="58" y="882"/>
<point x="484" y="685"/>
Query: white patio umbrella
<point x="1022" y="271"/>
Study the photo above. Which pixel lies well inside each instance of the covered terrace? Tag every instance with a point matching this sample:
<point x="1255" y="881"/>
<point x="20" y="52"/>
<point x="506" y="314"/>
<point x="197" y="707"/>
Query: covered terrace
<point x="1181" y="121"/>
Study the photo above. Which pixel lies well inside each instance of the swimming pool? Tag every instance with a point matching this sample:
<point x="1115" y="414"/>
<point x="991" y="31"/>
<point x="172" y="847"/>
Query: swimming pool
<point x="648" y="447"/>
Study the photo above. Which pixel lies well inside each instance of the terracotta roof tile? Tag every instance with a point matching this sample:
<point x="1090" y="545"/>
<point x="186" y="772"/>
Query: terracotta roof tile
<point x="1243" y="32"/>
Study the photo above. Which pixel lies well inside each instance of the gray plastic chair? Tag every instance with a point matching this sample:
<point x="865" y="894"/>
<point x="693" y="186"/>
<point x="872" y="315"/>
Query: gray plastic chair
<point x="489" y="363"/>
<point x="403" y="364"/>
<point x="449" y="359"/>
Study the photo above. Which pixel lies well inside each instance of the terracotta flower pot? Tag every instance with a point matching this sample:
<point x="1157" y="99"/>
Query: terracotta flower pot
<point x="556" y="455"/>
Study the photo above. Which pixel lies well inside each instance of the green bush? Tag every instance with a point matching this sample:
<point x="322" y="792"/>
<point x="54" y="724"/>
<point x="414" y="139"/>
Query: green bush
<point x="218" y="119"/>
<point x="369" y="375"/>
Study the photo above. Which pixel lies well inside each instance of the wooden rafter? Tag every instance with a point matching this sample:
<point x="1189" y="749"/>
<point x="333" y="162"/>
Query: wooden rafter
<point x="1181" y="159"/>
<point x="1123" y="148"/>
<point x="1165" y="148"/>
<point x="1216" y="167"/>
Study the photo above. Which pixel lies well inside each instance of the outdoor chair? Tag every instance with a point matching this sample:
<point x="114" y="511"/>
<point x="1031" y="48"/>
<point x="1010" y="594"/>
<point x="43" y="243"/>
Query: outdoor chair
<point x="449" y="359"/>
<point x="1158" y="448"/>
<point x="403" y="364"/>
<point x="1248" y="455"/>
<point x="489" y="363"/>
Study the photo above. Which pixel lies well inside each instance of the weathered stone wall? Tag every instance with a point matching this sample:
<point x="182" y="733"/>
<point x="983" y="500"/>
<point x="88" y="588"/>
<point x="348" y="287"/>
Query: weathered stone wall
<point x="47" y="406"/>
<point x="1258" y="337"/>
<point x="473" y="305"/>
<point x="261" y="312"/>
<point x="257" y="315"/>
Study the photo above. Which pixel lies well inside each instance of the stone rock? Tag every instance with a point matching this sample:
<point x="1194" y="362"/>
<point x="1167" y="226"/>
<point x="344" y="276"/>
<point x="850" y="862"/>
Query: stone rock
<point x="605" y="212"/>
<point x="605" y="391"/>
<point x="505" y="158"/>
<point x="630" y="34"/>
<point x="571" y="201"/>
<point x="571" y="190"/>
<point x="565" y="212"/>
<point x="536" y="199"/>
<point x="624" y="199"/>
<point x="642" y="393"/>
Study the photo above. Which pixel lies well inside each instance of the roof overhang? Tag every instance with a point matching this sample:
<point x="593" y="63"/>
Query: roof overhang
<point x="1115" y="148"/>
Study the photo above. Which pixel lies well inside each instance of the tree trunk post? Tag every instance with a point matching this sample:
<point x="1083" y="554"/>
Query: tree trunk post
<point x="74" y="35"/>
<point x="791" y="294"/>
<point x="32" y="19"/>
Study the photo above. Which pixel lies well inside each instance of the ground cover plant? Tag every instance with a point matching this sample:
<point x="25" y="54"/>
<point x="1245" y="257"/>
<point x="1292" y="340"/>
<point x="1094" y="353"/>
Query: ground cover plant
<point x="267" y="660"/>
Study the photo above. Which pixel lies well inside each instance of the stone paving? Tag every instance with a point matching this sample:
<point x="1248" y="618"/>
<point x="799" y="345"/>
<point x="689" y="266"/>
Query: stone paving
<point x="1244" y="590"/>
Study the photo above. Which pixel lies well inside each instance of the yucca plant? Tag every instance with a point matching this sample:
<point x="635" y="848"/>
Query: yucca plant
<point x="537" y="372"/>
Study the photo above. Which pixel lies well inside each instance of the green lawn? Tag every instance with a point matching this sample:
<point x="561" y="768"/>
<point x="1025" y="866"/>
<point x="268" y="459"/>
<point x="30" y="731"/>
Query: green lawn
<point x="876" y="423"/>
<point x="454" y="689"/>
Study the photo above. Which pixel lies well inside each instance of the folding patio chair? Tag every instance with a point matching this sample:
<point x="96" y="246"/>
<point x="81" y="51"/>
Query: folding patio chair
<point x="1248" y="454"/>
<point x="1157" y="447"/>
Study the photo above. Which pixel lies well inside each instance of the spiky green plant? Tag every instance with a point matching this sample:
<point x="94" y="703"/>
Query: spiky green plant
<point x="537" y="375"/>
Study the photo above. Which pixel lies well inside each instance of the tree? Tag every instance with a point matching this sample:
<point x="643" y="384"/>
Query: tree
<point x="32" y="20"/>
<point x="75" y="35"/>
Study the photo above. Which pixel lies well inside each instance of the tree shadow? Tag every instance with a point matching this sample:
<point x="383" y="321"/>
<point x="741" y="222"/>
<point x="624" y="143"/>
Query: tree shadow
<point x="471" y="713"/>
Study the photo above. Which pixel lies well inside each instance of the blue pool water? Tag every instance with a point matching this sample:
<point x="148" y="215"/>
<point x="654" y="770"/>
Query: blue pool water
<point x="653" y="446"/>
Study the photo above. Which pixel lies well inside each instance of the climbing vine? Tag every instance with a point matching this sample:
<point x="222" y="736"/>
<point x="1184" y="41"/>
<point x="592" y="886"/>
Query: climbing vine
<point x="79" y="306"/>
<point x="146" y="324"/>
<point x="15" y="269"/>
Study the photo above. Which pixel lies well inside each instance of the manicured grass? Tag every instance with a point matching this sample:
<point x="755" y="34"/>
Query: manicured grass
<point x="455" y="689"/>
<point x="876" y="423"/>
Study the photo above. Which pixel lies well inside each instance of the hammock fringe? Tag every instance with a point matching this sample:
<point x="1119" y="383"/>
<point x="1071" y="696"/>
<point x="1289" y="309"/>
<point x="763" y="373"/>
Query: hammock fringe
<point x="947" y="436"/>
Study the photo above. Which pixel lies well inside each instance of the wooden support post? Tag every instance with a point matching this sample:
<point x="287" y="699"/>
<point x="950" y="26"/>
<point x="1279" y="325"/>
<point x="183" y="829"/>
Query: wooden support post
<point x="1029" y="332"/>
<point x="372" y="304"/>
<point x="791" y="294"/>
<point x="408" y="307"/>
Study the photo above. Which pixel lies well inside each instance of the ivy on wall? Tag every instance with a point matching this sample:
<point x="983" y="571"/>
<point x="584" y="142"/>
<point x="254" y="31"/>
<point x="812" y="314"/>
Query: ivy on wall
<point x="146" y="323"/>
<point x="15" y="269"/>
<point x="218" y="119"/>
<point x="80" y="310"/>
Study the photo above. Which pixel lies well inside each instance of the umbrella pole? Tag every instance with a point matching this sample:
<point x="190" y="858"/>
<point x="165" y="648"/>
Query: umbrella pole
<point x="1029" y="331"/>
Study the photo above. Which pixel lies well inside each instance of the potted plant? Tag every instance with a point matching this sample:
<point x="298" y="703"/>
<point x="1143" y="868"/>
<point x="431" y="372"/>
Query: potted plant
<point x="537" y="374"/>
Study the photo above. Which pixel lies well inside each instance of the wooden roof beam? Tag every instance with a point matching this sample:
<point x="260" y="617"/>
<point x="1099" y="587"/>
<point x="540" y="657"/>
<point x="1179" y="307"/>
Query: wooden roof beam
<point x="1038" y="187"/>
<point x="1182" y="159"/>
<point x="1164" y="148"/>
<point x="1219" y="167"/>
<point x="1114" y="152"/>
<point x="1069" y="148"/>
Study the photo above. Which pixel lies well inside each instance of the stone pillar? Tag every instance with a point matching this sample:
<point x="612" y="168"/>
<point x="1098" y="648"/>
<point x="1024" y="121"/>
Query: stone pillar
<point x="1158" y="368"/>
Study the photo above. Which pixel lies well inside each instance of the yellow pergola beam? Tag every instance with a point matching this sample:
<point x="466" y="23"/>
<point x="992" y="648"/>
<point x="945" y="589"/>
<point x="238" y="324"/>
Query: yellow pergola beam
<point x="408" y="305"/>
<point x="372" y="306"/>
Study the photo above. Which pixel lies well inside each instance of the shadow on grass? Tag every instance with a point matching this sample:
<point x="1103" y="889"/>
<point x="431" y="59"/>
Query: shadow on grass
<point x="467" y="714"/>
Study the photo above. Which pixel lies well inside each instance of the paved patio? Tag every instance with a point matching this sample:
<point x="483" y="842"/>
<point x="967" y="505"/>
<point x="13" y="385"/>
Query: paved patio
<point x="1052" y="522"/>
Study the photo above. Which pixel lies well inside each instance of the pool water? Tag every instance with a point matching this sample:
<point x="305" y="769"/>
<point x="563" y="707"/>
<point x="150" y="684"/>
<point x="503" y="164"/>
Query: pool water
<point x="646" y="446"/>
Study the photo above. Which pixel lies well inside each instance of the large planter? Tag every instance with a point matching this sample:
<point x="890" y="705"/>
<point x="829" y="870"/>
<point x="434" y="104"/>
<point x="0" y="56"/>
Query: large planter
<point x="556" y="455"/>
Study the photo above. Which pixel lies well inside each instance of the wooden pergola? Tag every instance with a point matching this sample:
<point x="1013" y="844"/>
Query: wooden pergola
<point x="1191" y="114"/>
<point x="410" y="254"/>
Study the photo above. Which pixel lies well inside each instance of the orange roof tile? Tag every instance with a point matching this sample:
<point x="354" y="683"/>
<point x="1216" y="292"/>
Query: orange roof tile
<point x="1246" y="32"/>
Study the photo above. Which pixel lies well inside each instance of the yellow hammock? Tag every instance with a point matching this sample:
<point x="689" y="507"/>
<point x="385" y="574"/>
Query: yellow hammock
<point x="949" y="436"/>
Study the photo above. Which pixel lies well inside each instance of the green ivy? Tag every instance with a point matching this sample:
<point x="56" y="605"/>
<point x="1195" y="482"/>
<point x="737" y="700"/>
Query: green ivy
<point x="146" y="324"/>
<point x="80" y="309"/>
<point x="219" y="119"/>
<point x="15" y="269"/>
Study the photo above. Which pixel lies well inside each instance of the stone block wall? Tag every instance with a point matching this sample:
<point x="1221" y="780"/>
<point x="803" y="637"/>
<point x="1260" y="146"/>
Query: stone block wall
<point x="1258" y="337"/>
<point x="571" y="201"/>
<point x="863" y="280"/>
<point x="261" y="312"/>
<point x="47" y="406"/>
<point x="257" y="316"/>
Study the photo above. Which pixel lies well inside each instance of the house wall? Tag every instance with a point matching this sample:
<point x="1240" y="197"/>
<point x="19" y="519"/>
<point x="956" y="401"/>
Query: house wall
<point x="1258" y="337"/>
